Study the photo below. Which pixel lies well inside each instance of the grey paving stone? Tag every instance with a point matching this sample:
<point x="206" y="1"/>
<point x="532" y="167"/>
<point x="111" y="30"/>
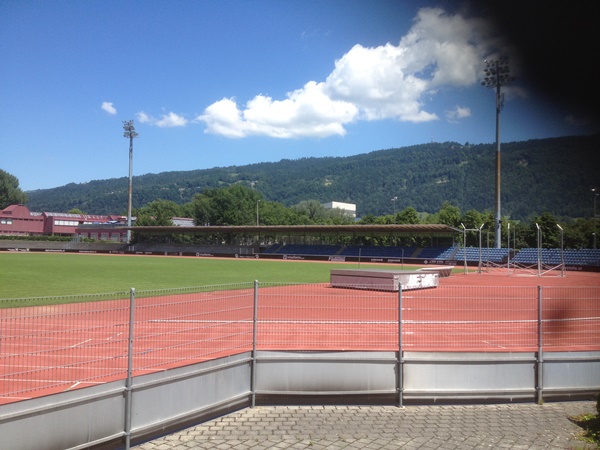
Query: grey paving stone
<point x="514" y="426"/>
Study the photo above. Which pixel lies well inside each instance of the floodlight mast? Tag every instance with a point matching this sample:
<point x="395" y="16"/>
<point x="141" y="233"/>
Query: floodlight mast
<point x="129" y="132"/>
<point x="497" y="74"/>
<point x="595" y="192"/>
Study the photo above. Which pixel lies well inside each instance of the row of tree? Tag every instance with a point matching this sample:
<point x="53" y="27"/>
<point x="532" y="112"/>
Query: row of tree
<point x="239" y="205"/>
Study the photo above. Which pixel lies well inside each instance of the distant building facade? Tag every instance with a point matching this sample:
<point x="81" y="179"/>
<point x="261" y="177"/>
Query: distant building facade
<point x="348" y="208"/>
<point x="17" y="220"/>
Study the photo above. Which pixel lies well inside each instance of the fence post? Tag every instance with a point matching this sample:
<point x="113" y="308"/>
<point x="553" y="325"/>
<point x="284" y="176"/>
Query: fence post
<point x="129" y="381"/>
<point x="400" y="365"/>
<point x="254" y="338"/>
<point x="540" y="352"/>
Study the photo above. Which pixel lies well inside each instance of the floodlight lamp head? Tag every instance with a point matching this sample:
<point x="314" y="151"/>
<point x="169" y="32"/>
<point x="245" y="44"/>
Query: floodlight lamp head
<point x="129" y="129"/>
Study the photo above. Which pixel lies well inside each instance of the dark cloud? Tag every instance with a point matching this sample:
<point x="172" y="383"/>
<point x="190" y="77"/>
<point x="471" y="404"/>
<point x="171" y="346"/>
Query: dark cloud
<point x="557" y="43"/>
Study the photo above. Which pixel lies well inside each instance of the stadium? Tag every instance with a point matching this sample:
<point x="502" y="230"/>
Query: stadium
<point x="498" y="328"/>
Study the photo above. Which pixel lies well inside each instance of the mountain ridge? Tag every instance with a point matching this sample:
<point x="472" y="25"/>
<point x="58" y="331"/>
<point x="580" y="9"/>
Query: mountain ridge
<point x="544" y="175"/>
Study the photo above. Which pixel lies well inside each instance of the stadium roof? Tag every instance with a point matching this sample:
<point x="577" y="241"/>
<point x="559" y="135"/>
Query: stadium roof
<point x="422" y="229"/>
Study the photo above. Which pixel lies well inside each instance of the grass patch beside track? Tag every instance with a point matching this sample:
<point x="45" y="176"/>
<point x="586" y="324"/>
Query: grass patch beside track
<point x="25" y="275"/>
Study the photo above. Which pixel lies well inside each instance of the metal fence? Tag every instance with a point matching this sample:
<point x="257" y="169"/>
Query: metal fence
<point x="55" y="344"/>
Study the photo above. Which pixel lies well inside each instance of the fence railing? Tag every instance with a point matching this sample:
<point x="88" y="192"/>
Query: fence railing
<point x="54" y="344"/>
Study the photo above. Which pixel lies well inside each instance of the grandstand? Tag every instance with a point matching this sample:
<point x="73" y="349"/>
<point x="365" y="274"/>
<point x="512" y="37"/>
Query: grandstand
<point x="436" y="242"/>
<point x="554" y="256"/>
<point x="378" y="251"/>
<point x="494" y="255"/>
<point x="366" y="251"/>
<point x="577" y="257"/>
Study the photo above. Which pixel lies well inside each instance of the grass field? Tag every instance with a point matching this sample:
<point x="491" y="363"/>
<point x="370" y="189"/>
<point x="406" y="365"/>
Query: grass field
<point x="50" y="274"/>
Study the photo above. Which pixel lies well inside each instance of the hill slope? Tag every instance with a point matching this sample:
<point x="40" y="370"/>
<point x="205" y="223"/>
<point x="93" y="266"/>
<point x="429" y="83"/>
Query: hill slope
<point x="553" y="175"/>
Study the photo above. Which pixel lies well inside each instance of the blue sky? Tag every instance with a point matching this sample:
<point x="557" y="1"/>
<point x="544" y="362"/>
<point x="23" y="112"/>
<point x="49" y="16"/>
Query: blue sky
<point x="221" y="83"/>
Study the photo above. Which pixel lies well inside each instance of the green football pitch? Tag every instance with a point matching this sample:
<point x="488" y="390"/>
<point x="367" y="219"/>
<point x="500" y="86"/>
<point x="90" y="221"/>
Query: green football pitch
<point x="25" y="275"/>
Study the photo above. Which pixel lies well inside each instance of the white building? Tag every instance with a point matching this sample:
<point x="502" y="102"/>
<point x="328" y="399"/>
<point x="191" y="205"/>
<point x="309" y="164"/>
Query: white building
<point x="348" y="208"/>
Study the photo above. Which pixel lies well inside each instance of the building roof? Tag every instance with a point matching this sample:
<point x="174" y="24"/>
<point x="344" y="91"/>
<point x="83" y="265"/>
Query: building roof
<point x="423" y="229"/>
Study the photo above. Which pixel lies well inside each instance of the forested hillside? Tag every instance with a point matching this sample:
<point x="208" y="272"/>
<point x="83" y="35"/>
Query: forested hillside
<point x="548" y="175"/>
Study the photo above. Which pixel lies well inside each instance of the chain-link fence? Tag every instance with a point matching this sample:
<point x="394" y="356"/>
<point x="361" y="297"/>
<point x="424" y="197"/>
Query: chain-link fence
<point x="55" y="344"/>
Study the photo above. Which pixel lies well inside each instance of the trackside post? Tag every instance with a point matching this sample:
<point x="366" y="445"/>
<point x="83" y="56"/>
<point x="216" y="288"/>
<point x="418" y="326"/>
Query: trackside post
<point x="400" y="368"/>
<point x="254" y="335"/>
<point x="129" y="382"/>
<point x="540" y="354"/>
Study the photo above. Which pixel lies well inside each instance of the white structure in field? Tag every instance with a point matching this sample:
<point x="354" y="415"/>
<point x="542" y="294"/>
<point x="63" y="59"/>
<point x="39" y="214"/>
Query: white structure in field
<point x="383" y="280"/>
<point x="348" y="208"/>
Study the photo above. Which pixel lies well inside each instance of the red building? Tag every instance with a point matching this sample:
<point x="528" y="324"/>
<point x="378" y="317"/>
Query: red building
<point x="17" y="220"/>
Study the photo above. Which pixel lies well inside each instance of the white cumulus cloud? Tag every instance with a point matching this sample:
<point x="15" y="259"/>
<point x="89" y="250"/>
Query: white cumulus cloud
<point x="169" y="120"/>
<point x="458" y="113"/>
<point x="109" y="108"/>
<point x="369" y="83"/>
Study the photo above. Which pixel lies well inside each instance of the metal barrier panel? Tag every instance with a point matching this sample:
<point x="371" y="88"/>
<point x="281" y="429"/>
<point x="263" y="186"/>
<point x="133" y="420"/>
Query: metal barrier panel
<point x="489" y="376"/>
<point x="286" y="374"/>
<point x="169" y="399"/>
<point x="567" y="374"/>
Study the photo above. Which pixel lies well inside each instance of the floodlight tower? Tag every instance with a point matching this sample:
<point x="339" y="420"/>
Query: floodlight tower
<point x="497" y="74"/>
<point x="129" y="132"/>
<point x="595" y="192"/>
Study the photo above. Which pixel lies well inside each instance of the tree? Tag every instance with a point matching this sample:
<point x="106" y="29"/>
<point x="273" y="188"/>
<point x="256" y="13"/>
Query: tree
<point x="313" y="209"/>
<point x="579" y="234"/>
<point x="274" y="213"/>
<point x="449" y="215"/>
<point x="233" y="205"/>
<point x="408" y="216"/>
<point x="10" y="194"/>
<point x="157" y="213"/>
<point x="472" y="220"/>
<point x="550" y="233"/>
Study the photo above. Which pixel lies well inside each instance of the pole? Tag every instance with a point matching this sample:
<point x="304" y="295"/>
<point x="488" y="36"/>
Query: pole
<point x="400" y="380"/>
<point x="129" y="132"/>
<point x="465" y="247"/>
<point x="539" y="249"/>
<point x="508" y="247"/>
<point x="480" y="256"/>
<point x="254" y="338"/>
<point x="257" y="221"/>
<point x="540" y="352"/>
<point x="562" y="251"/>
<point x="129" y="381"/>
<point x="497" y="73"/>
<point x="130" y="187"/>
<point x="594" y="218"/>
<point x="498" y="226"/>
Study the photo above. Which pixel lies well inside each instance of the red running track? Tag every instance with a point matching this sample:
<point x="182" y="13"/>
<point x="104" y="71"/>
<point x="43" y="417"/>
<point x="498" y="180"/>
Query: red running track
<point x="55" y="348"/>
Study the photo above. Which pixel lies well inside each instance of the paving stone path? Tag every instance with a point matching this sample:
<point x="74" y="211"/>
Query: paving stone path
<point x="513" y="426"/>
